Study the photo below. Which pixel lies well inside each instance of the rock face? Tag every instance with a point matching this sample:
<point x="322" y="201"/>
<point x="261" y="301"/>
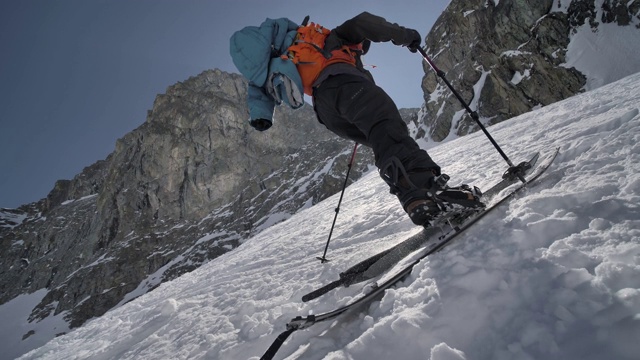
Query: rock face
<point x="506" y="57"/>
<point x="195" y="180"/>
<point x="185" y="187"/>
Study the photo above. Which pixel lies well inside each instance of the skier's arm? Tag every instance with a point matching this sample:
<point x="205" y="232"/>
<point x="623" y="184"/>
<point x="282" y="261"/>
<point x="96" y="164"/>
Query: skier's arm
<point x="261" y="108"/>
<point x="367" y="26"/>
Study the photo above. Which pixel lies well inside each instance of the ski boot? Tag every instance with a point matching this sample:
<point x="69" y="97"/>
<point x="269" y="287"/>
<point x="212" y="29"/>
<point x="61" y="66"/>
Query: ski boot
<point x="424" y="194"/>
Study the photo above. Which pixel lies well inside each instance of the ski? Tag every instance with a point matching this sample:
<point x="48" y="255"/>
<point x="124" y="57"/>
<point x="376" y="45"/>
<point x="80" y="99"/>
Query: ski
<point x="301" y="322"/>
<point x="377" y="264"/>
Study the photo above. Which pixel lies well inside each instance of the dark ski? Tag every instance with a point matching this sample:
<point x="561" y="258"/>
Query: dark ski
<point x="301" y="322"/>
<point x="379" y="263"/>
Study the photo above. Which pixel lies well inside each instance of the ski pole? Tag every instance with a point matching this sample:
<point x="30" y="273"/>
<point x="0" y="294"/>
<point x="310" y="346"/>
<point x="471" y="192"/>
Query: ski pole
<point x="323" y="259"/>
<point x="473" y="114"/>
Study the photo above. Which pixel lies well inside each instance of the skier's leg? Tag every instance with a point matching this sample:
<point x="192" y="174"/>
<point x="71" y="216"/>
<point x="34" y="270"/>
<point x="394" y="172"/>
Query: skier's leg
<point x="355" y="108"/>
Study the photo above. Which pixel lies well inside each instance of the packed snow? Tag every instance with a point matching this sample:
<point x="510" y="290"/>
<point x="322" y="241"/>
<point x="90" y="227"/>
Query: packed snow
<point x="552" y="274"/>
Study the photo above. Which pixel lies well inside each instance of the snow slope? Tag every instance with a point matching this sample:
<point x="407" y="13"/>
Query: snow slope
<point x="605" y="54"/>
<point x="553" y="274"/>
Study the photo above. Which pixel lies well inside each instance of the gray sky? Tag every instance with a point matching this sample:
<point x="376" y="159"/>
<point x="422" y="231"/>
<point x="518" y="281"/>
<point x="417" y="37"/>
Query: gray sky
<point x="76" y="75"/>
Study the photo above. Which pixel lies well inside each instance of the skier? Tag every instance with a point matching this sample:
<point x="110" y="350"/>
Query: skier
<point x="347" y="101"/>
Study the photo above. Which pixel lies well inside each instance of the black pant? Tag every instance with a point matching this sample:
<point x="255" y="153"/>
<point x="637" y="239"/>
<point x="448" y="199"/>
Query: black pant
<point x="355" y="108"/>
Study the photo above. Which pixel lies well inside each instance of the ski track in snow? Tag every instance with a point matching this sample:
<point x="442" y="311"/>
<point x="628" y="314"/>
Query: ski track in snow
<point x="552" y="274"/>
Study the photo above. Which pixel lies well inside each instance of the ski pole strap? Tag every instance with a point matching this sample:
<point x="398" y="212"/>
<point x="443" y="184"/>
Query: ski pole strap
<point x="353" y="155"/>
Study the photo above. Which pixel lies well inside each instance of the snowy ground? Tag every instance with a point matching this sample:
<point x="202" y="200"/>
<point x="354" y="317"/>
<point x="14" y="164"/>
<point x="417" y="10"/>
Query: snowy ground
<point x="553" y="274"/>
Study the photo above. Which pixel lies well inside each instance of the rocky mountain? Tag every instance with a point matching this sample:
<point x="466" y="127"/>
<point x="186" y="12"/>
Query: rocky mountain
<point x="188" y="185"/>
<point x="194" y="180"/>
<point x="508" y="57"/>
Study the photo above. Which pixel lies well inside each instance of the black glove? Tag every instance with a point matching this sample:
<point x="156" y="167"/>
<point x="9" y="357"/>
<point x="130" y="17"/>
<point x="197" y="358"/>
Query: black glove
<point x="416" y="39"/>
<point x="411" y="40"/>
<point x="260" y="124"/>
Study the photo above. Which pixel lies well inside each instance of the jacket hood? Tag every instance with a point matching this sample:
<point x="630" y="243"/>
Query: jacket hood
<point x="252" y="47"/>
